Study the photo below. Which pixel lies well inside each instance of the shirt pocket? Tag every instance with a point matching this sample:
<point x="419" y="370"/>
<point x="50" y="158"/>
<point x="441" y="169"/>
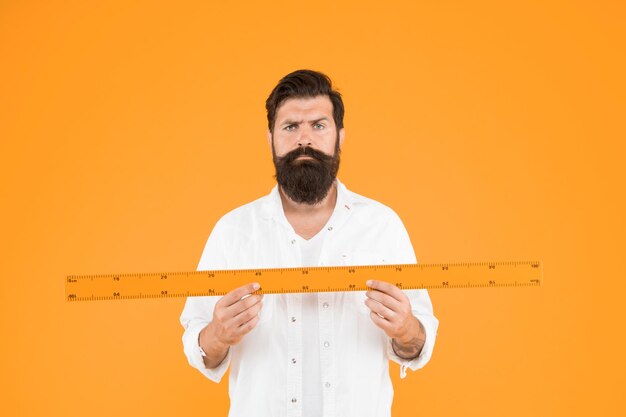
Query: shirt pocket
<point x="357" y="258"/>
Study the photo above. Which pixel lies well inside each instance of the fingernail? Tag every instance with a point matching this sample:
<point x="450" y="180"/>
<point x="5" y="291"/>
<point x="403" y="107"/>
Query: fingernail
<point x="369" y="283"/>
<point x="256" y="286"/>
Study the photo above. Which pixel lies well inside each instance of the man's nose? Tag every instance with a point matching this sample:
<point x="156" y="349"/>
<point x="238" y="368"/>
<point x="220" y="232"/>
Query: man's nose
<point x="304" y="139"/>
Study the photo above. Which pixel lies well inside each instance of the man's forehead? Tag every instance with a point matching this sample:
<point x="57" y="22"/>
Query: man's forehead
<point x="305" y="106"/>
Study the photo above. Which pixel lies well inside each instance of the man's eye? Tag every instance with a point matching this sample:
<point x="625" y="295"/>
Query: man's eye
<point x="289" y="128"/>
<point x="319" y="126"/>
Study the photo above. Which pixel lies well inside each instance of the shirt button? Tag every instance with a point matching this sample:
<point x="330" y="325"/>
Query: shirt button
<point x="330" y="228"/>
<point x="293" y="241"/>
<point x="293" y="319"/>
<point x="326" y="344"/>
<point x="294" y="400"/>
<point x="293" y="360"/>
<point x="327" y="385"/>
<point x="325" y="305"/>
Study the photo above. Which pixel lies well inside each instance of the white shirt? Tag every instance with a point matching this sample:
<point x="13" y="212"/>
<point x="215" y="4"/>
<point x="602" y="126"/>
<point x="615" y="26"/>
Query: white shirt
<point x="266" y="371"/>
<point x="312" y="392"/>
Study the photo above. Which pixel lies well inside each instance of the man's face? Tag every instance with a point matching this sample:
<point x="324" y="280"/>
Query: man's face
<point x="305" y="148"/>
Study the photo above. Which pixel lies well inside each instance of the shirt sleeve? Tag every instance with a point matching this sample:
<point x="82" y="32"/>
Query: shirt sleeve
<point x="198" y="311"/>
<point x="421" y="305"/>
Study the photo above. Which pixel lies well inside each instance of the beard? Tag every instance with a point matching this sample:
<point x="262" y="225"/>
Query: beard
<point x="307" y="180"/>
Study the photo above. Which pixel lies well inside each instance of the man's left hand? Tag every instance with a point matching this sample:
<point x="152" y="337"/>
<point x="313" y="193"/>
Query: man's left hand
<point x="391" y="311"/>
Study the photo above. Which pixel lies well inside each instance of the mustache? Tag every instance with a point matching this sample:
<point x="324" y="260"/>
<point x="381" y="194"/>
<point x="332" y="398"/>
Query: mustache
<point x="305" y="151"/>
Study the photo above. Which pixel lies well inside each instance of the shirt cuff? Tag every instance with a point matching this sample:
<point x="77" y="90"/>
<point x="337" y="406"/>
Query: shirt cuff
<point x="430" y="324"/>
<point x="192" y="351"/>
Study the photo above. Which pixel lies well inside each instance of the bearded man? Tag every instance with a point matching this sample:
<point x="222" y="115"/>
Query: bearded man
<point x="319" y="354"/>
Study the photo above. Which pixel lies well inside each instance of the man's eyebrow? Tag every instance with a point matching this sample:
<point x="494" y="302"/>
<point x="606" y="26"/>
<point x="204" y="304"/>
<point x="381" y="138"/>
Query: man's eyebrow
<point x="297" y="122"/>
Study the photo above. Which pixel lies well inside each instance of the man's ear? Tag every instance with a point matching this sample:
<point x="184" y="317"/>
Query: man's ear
<point x="269" y="138"/>
<point x="341" y="135"/>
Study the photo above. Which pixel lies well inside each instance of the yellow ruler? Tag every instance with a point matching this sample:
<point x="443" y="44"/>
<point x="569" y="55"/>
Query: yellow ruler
<point x="299" y="280"/>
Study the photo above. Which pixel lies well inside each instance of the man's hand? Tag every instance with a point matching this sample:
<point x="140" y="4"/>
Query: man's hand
<point x="234" y="316"/>
<point x="391" y="311"/>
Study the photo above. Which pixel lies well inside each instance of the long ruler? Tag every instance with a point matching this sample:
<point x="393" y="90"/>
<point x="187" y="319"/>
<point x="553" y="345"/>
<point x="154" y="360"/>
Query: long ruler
<point x="302" y="280"/>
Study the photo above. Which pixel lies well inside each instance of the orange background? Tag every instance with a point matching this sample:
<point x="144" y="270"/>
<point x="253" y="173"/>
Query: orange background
<point x="495" y="130"/>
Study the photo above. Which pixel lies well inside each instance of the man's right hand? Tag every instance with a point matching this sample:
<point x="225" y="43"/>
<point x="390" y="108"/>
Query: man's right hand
<point x="234" y="316"/>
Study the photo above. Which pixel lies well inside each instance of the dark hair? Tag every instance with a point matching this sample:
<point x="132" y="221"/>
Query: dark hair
<point x="303" y="84"/>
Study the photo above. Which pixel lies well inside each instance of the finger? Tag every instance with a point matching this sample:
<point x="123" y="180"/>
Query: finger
<point x="247" y="327"/>
<point x="245" y="303"/>
<point x="237" y="294"/>
<point x="387" y="288"/>
<point x="380" y="309"/>
<point x="245" y="315"/>
<point x="385" y="299"/>
<point x="380" y="322"/>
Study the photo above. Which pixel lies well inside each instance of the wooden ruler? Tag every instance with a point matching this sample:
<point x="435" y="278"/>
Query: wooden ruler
<point x="301" y="280"/>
